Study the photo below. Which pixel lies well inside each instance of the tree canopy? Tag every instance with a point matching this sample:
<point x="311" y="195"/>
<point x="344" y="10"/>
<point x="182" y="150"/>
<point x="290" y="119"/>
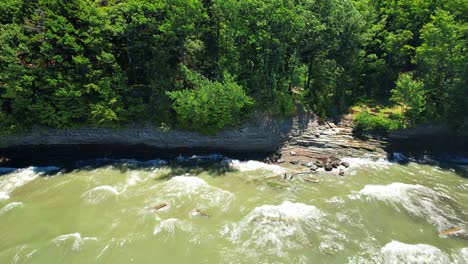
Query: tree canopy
<point x="114" y="62"/>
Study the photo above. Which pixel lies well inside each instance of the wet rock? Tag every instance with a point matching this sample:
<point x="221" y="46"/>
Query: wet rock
<point x="317" y="135"/>
<point x="341" y="173"/>
<point x="160" y="207"/>
<point x="311" y="180"/>
<point x="335" y="164"/>
<point x="319" y="163"/>
<point x="312" y="166"/>
<point x="199" y="213"/>
<point x="345" y="164"/>
<point x="455" y="232"/>
<point x="293" y="153"/>
<point x="294" y="162"/>
<point x="328" y="167"/>
<point x="280" y="161"/>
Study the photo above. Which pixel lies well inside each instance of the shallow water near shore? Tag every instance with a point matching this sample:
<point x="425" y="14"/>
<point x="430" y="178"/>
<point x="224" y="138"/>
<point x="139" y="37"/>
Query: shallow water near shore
<point x="228" y="211"/>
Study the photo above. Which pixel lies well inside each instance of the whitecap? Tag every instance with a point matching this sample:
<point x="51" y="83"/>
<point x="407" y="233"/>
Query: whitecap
<point x="78" y="241"/>
<point x="398" y="252"/>
<point x="366" y="162"/>
<point x="9" y="207"/>
<point x="100" y="194"/>
<point x="463" y="256"/>
<point x="134" y="178"/>
<point x="171" y="225"/>
<point x="181" y="189"/>
<point x="253" y="165"/>
<point x="417" y="200"/>
<point x="273" y="229"/>
<point x="169" y="228"/>
<point x="20" y="177"/>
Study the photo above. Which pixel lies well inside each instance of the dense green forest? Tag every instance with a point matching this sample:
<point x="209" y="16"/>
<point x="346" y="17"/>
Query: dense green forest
<point x="206" y="64"/>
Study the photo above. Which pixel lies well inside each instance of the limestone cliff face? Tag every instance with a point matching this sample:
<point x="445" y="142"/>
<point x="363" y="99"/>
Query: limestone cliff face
<point x="261" y="133"/>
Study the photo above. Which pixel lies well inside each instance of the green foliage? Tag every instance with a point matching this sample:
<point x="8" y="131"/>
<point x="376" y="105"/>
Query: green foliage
<point x="210" y="106"/>
<point x="367" y="123"/>
<point x="106" y="63"/>
<point x="409" y="94"/>
<point x="442" y="66"/>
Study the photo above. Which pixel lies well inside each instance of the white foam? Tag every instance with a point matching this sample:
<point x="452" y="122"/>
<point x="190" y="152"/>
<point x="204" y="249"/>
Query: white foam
<point x="134" y="178"/>
<point x="78" y="241"/>
<point x="397" y="252"/>
<point x="169" y="228"/>
<point x="4" y="196"/>
<point x="9" y="207"/>
<point x="273" y="229"/>
<point x="366" y="162"/>
<point x="417" y="200"/>
<point x="20" y="177"/>
<point x="22" y="254"/>
<point x="171" y="225"/>
<point x="463" y="256"/>
<point x="193" y="189"/>
<point x="100" y="194"/>
<point x="253" y="165"/>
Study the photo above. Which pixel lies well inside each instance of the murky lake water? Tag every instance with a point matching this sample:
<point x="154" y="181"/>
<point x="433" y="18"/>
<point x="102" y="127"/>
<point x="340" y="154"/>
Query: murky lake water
<point x="231" y="212"/>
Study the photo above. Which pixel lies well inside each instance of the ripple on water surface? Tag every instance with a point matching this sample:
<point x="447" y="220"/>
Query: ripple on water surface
<point x="183" y="189"/>
<point x="417" y="200"/>
<point x="274" y="229"/>
<point x="396" y="252"/>
<point x="15" y="178"/>
<point x="100" y="194"/>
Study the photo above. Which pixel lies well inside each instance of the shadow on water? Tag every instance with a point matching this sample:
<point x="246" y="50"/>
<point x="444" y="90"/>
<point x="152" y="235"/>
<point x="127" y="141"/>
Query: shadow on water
<point x="457" y="163"/>
<point x="213" y="164"/>
<point x="216" y="169"/>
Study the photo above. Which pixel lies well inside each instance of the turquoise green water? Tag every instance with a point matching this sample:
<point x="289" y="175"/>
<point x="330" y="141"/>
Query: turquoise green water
<point x="244" y="212"/>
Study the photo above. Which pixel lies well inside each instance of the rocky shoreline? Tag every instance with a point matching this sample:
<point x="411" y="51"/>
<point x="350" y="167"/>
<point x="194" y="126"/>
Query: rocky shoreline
<point x="302" y="141"/>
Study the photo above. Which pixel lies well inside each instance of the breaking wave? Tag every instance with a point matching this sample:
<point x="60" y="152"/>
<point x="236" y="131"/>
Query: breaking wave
<point x="396" y="252"/>
<point x="417" y="200"/>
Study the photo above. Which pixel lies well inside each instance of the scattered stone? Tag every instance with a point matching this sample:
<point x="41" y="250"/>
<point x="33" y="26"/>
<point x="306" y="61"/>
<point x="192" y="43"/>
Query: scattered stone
<point x="199" y="213"/>
<point x="319" y="163"/>
<point x="280" y="161"/>
<point x="345" y="164"/>
<point x="313" y="167"/>
<point x="310" y="164"/>
<point x="161" y="207"/>
<point x="311" y="180"/>
<point x="294" y="162"/>
<point x="328" y="167"/>
<point x="335" y="164"/>
<point x="317" y="135"/>
<point x="341" y="173"/>
<point x="293" y="153"/>
<point x="455" y="232"/>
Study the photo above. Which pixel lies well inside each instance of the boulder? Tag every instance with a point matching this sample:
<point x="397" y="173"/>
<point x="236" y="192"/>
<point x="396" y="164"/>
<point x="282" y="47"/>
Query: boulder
<point x="319" y="163"/>
<point x="160" y="207"/>
<point x="335" y="164"/>
<point x="280" y="161"/>
<point x="345" y="164"/>
<point x="313" y="167"/>
<point x="455" y="232"/>
<point x="328" y="167"/>
<point x="294" y="162"/>
<point x="341" y="173"/>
